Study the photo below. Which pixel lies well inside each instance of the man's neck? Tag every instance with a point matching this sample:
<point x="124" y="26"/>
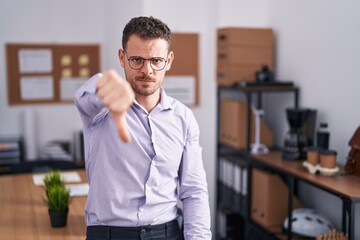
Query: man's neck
<point x="148" y="102"/>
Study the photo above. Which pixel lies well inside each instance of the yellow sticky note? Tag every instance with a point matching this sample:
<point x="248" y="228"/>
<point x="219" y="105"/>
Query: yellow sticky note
<point x="66" y="60"/>
<point x="84" y="72"/>
<point x="84" y="59"/>
<point x="66" y="72"/>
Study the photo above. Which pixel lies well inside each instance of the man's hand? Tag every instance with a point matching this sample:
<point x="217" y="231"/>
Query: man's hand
<point x="117" y="95"/>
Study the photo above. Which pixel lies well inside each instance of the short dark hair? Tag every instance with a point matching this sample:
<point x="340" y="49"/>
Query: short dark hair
<point x="146" y="28"/>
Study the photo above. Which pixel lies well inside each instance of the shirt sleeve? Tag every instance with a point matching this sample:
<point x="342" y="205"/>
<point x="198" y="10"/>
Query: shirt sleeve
<point x="193" y="187"/>
<point x="87" y="102"/>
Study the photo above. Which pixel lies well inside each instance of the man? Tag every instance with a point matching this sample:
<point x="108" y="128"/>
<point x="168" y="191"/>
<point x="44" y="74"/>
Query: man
<point x="141" y="146"/>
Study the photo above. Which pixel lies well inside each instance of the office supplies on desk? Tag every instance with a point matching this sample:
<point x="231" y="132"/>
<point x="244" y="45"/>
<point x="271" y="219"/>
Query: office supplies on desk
<point x="66" y="176"/>
<point x="78" y="189"/>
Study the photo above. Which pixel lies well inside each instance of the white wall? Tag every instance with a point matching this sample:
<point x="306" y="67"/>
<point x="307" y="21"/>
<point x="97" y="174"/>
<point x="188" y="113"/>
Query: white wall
<point x="316" y="46"/>
<point x="41" y="21"/>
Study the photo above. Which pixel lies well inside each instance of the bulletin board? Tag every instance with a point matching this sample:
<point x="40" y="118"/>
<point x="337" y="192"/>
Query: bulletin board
<point x="185" y="67"/>
<point x="48" y="73"/>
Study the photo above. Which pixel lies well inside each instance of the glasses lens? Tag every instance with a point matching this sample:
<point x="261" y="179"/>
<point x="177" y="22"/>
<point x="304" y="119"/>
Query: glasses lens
<point x="136" y="62"/>
<point x="157" y="63"/>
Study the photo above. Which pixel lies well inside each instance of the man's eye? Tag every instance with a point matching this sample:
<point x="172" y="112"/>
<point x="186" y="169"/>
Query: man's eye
<point x="157" y="60"/>
<point x="136" y="60"/>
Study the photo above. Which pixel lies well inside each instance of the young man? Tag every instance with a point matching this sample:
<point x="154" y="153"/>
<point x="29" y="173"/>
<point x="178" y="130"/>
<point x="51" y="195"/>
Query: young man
<point x="141" y="146"/>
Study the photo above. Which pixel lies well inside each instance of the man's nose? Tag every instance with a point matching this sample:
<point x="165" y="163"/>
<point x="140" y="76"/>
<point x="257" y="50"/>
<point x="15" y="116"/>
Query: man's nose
<point x="147" y="69"/>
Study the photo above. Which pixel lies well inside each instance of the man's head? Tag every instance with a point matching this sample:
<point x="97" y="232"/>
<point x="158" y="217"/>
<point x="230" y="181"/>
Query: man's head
<point x="146" y="28"/>
<point x="146" y="56"/>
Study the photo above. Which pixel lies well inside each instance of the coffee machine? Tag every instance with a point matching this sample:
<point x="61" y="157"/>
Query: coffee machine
<point x="301" y="134"/>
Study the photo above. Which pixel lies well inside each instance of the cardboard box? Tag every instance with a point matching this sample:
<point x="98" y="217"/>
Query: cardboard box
<point x="245" y="36"/>
<point x="241" y="52"/>
<point x="269" y="199"/>
<point x="233" y="125"/>
<point x="228" y="74"/>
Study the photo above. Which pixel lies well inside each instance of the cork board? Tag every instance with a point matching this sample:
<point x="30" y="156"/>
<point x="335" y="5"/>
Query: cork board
<point x="186" y="63"/>
<point x="48" y="73"/>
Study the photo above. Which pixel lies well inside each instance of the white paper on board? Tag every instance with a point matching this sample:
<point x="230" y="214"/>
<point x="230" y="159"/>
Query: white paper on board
<point x="181" y="88"/>
<point x="36" y="87"/>
<point x="35" y="60"/>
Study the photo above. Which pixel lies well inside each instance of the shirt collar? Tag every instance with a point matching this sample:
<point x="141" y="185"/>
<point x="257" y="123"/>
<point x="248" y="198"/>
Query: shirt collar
<point x="165" y="101"/>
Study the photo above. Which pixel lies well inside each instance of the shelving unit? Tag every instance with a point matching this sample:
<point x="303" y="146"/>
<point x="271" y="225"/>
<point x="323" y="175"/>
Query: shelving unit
<point x="227" y="198"/>
<point x="346" y="187"/>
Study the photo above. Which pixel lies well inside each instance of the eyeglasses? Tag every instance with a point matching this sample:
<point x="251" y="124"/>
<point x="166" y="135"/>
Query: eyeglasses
<point x="156" y="63"/>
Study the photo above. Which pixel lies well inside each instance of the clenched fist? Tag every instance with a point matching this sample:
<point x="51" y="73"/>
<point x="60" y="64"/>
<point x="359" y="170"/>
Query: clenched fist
<point x="117" y="95"/>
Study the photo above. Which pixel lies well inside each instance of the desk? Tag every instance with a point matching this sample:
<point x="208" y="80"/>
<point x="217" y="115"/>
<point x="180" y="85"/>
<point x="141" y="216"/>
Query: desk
<point x="346" y="187"/>
<point x="24" y="213"/>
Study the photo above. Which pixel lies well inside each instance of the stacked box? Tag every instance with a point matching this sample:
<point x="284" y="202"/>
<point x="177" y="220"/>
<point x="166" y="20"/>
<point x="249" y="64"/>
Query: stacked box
<point x="241" y="52"/>
<point x="233" y="128"/>
<point x="269" y="199"/>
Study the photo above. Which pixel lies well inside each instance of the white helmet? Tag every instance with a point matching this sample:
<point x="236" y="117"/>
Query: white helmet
<point x="308" y="222"/>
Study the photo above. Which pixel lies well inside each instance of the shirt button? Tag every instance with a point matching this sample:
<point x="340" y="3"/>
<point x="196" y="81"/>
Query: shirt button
<point x="141" y="209"/>
<point x="154" y="162"/>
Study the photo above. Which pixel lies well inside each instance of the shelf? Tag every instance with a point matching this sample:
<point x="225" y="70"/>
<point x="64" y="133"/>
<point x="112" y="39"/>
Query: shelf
<point x="344" y="185"/>
<point x="261" y="88"/>
<point x="229" y="199"/>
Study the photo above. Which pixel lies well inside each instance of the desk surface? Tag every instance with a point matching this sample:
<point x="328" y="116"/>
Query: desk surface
<point x="344" y="185"/>
<point x="24" y="213"/>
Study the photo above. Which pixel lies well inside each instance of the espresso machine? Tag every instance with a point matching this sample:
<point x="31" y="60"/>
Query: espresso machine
<point x="301" y="133"/>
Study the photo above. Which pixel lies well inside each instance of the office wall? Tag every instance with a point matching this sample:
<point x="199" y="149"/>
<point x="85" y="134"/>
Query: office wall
<point x="317" y="47"/>
<point x="41" y="21"/>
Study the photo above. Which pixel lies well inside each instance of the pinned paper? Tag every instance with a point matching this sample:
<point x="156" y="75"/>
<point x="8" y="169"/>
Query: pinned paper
<point x="84" y="72"/>
<point x="66" y="72"/>
<point x="66" y="60"/>
<point x="36" y="87"/>
<point x="181" y="87"/>
<point x="35" y="60"/>
<point x="84" y="59"/>
<point x="68" y="87"/>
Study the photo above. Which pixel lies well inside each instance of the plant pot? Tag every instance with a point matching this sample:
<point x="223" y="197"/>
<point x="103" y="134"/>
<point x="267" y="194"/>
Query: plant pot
<point x="58" y="219"/>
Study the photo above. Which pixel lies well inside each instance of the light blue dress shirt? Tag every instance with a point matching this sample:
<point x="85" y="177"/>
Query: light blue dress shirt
<point x="136" y="184"/>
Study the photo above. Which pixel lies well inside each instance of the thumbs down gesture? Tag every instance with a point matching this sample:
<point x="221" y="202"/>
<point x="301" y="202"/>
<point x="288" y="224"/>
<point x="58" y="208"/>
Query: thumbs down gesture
<point x="117" y="95"/>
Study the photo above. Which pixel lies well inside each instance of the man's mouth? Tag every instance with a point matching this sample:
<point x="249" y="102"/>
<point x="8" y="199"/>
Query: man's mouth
<point x="144" y="79"/>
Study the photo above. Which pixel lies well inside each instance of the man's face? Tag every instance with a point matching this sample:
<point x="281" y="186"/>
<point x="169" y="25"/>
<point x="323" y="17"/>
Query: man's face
<point x="145" y="81"/>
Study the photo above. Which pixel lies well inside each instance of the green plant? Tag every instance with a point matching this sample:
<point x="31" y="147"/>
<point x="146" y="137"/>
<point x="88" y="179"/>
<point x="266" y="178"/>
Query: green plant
<point x="58" y="198"/>
<point x="53" y="178"/>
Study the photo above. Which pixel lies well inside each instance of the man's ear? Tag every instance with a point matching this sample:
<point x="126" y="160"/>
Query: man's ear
<point x="170" y="60"/>
<point x="121" y="55"/>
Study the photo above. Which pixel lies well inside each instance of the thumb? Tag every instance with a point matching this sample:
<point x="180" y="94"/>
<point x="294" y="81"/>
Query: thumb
<point x="122" y="127"/>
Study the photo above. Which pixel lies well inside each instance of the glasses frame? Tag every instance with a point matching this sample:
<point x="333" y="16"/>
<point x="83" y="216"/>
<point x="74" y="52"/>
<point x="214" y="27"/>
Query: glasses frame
<point x="143" y="61"/>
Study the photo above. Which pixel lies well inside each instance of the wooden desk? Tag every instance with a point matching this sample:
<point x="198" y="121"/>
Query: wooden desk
<point x="346" y="187"/>
<point x="24" y="213"/>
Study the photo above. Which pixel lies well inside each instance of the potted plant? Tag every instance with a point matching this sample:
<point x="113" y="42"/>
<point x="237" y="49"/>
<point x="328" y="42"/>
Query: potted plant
<point x="53" y="178"/>
<point x="58" y="199"/>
